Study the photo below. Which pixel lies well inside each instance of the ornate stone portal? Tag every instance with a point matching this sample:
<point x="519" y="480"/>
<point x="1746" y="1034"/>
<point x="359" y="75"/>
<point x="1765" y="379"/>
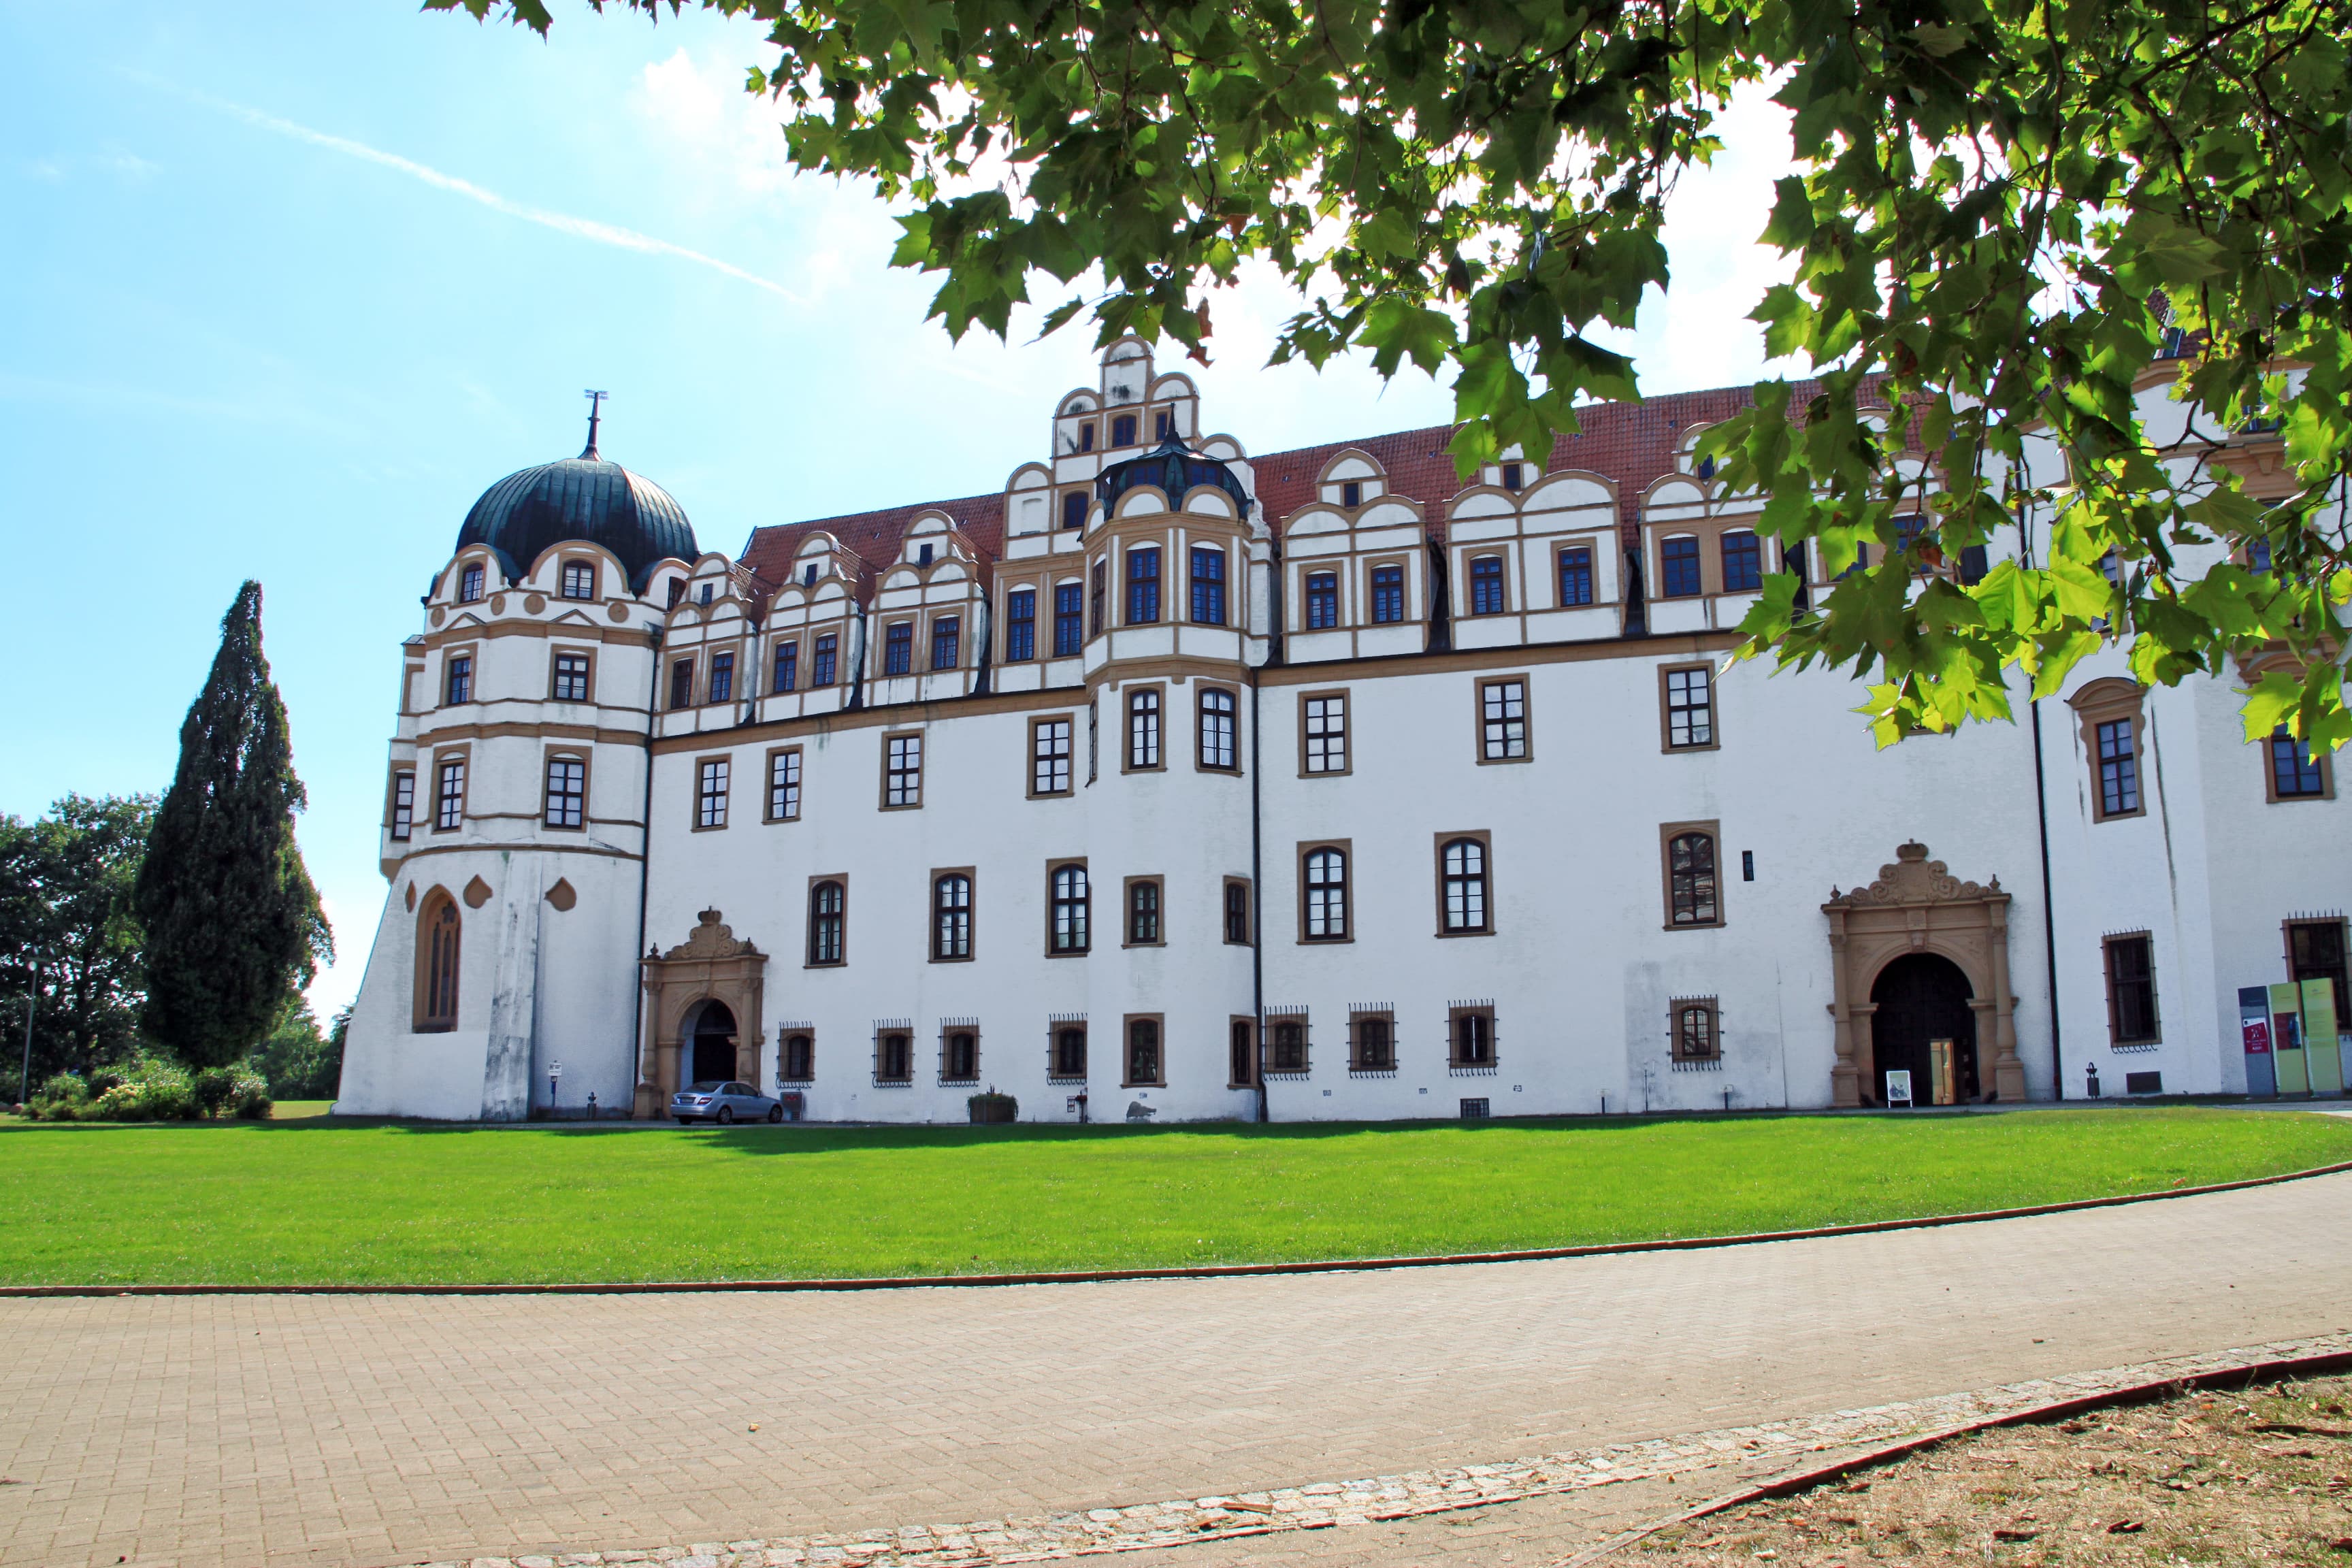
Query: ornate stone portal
<point x="710" y="965"/>
<point x="1918" y="906"/>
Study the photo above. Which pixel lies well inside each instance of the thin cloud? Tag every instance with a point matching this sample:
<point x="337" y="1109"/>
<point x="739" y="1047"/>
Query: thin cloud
<point x="562" y="223"/>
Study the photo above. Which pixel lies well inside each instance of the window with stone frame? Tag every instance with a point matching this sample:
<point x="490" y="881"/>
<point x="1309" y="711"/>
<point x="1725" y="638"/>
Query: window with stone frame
<point x="722" y="677"/>
<point x="1019" y="625"/>
<point x="960" y="1053"/>
<point x="1069" y="620"/>
<point x="1470" y="1033"/>
<point x="1323" y="732"/>
<point x="2297" y="772"/>
<point x="710" y="793"/>
<point x="1143" y="705"/>
<point x="1142" y="586"/>
<point x="898" y="648"/>
<point x="579" y="580"/>
<point x="1371" y="1040"/>
<point x="566" y="803"/>
<point x="1070" y="904"/>
<point x="681" y="683"/>
<point x="1688" y="692"/>
<point x="1208" y="585"/>
<point x="1144" y="1067"/>
<point x="1240" y="1054"/>
<point x="1486" y="595"/>
<point x="1678" y="568"/>
<point x="1288" y="1043"/>
<point x="1575" y="576"/>
<point x="951" y="916"/>
<point x="1067" y="1051"/>
<point x="784" y="784"/>
<point x="902" y="771"/>
<point x="788" y="666"/>
<point x="1237" y="910"/>
<point x="404" y="804"/>
<point x="449" y="794"/>
<point x="2110" y="712"/>
<point x="469" y="584"/>
<point x="1502" y="720"/>
<point x="1217" y="753"/>
<point x="796" y="1056"/>
<point x="1049" y="756"/>
<point x="1387" y="596"/>
<point x="571" y="683"/>
<point x="1743" y="562"/>
<point x="1323" y="886"/>
<point x="820" y="674"/>
<point x="2131" y="990"/>
<point x="828" y="922"/>
<point x="894" y="1053"/>
<point x="1144" y="898"/>
<point x="947" y="642"/>
<point x="1695" y="1032"/>
<point x="460" y="686"/>
<point x="1322" y="601"/>
<point x="1692" y="897"/>
<point x="1463" y="906"/>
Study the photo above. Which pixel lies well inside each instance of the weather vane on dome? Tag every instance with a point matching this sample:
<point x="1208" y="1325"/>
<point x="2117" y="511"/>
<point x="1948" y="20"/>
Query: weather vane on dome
<point x="595" y="406"/>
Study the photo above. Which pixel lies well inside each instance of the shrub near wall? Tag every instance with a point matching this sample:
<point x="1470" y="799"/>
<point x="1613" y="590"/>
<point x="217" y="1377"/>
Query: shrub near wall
<point x="151" y="1089"/>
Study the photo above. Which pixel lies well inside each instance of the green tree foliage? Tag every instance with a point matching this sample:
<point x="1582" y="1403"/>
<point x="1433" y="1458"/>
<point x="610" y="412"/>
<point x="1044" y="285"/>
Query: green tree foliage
<point x="68" y="934"/>
<point x="299" y="1060"/>
<point x="233" y="927"/>
<point x="2000" y="208"/>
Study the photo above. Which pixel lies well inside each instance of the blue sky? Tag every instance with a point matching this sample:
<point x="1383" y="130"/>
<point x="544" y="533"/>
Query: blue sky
<point x="288" y="284"/>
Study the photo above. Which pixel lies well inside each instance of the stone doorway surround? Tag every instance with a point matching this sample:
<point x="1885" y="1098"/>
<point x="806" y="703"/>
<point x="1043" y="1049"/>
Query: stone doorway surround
<point x="711" y="964"/>
<point x="1917" y="905"/>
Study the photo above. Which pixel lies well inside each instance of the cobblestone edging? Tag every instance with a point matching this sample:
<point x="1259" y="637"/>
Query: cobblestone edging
<point x="985" y="1543"/>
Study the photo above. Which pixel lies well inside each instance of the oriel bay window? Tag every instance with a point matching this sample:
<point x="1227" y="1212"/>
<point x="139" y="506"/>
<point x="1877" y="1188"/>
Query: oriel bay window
<point x="1143" y="1063"/>
<point x="1142" y="587"/>
<point x="950" y="917"/>
<point x="710" y="793"/>
<point x="1019" y="625"/>
<point x="1208" y="586"/>
<point x="449" y="794"/>
<point x="1322" y="601"/>
<point x="570" y="678"/>
<point x="1217" y="709"/>
<point x="1143" y="728"/>
<point x="1323" y="893"/>
<point x="828" y="921"/>
<point x="902" y="771"/>
<point x="567" y="791"/>
<point x="1049" y="756"/>
<point x="1691" y="898"/>
<point x="1387" y="596"/>
<point x="1462" y="907"/>
<point x="1323" y="732"/>
<point x="1070" y="905"/>
<point x="404" y="804"/>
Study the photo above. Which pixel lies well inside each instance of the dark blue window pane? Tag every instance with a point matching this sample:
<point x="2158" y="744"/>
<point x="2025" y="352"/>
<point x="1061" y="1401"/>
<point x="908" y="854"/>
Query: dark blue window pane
<point x="947" y="643"/>
<point x="1743" y="563"/>
<point x="1575" y="577"/>
<point x="1074" y="510"/>
<point x="788" y="667"/>
<point x="823" y="674"/>
<point x="1679" y="563"/>
<point x="899" y="650"/>
<point x="1142" y="587"/>
<point x="1486" y="585"/>
<point x="1322" y="601"/>
<point x="2295" y="772"/>
<point x="1208" y="587"/>
<point x="1021" y="625"/>
<point x="1069" y="619"/>
<point x="1387" y="594"/>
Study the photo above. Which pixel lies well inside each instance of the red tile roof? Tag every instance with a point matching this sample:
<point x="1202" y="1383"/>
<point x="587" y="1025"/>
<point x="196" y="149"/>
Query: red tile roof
<point x="1630" y="443"/>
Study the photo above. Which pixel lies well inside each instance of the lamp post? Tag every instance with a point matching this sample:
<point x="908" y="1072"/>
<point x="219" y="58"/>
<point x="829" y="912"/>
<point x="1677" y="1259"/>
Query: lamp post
<point x="32" y="993"/>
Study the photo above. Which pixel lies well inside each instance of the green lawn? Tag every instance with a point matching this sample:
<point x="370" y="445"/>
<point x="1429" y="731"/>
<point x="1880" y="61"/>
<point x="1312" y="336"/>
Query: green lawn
<point x="314" y="1201"/>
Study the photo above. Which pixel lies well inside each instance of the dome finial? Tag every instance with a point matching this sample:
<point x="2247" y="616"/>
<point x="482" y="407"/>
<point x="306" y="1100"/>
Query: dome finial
<point x="595" y="405"/>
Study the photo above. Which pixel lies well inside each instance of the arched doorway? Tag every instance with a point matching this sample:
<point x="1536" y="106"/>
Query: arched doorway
<point x="1919" y="997"/>
<point x="714" y="1043"/>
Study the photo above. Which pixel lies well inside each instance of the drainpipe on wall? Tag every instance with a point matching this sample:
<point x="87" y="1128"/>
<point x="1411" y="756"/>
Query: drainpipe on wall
<point x="1257" y="851"/>
<point x="644" y="877"/>
<point x="2049" y="915"/>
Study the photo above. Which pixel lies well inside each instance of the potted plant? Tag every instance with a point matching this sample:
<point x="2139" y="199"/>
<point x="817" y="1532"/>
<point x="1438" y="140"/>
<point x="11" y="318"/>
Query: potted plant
<point x="990" y="1106"/>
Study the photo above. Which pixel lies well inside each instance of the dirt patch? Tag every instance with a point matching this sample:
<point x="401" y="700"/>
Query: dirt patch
<point x="2260" y="1476"/>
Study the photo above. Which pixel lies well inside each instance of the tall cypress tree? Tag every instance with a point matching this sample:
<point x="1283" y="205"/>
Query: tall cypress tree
<point x="233" y="925"/>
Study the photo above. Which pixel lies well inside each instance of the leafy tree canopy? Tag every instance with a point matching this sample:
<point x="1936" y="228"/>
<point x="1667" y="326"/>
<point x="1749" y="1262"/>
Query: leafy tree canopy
<point x="68" y="934"/>
<point x="1999" y="209"/>
<point x="233" y="923"/>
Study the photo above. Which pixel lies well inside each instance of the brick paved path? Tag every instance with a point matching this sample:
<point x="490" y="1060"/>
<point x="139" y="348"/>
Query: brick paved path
<point x="364" y="1430"/>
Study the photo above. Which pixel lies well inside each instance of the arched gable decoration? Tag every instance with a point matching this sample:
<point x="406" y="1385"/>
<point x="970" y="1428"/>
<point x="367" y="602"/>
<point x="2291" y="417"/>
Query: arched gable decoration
<point x="1917" y="905"/>
<point x="711" y="964"/>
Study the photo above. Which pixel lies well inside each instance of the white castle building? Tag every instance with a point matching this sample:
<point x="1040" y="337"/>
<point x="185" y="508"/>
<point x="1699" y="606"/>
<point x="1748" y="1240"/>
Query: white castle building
<point x="1312" y="784"/>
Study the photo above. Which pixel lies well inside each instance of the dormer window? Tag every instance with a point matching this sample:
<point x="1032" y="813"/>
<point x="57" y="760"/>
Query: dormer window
<point x="808" y="575"/>
<point x="1163" y="425"/>
<point x="1513" y="474"/>
<point x="1086" y="437"/>
<point x="706" y="592"/>
<point x="923" y="557"/>
<point x="677" y="591"/>
<point x="1122" y="430"/>
<point x="1352" y="494"/>
<point x="1074" y="510"/>
<point x="579" y="580"/>
<point x="469" y="584"/>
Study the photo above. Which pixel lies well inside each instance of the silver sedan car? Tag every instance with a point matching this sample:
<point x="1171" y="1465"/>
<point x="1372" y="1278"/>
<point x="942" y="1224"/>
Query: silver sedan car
<point x="724" y="1103"/>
